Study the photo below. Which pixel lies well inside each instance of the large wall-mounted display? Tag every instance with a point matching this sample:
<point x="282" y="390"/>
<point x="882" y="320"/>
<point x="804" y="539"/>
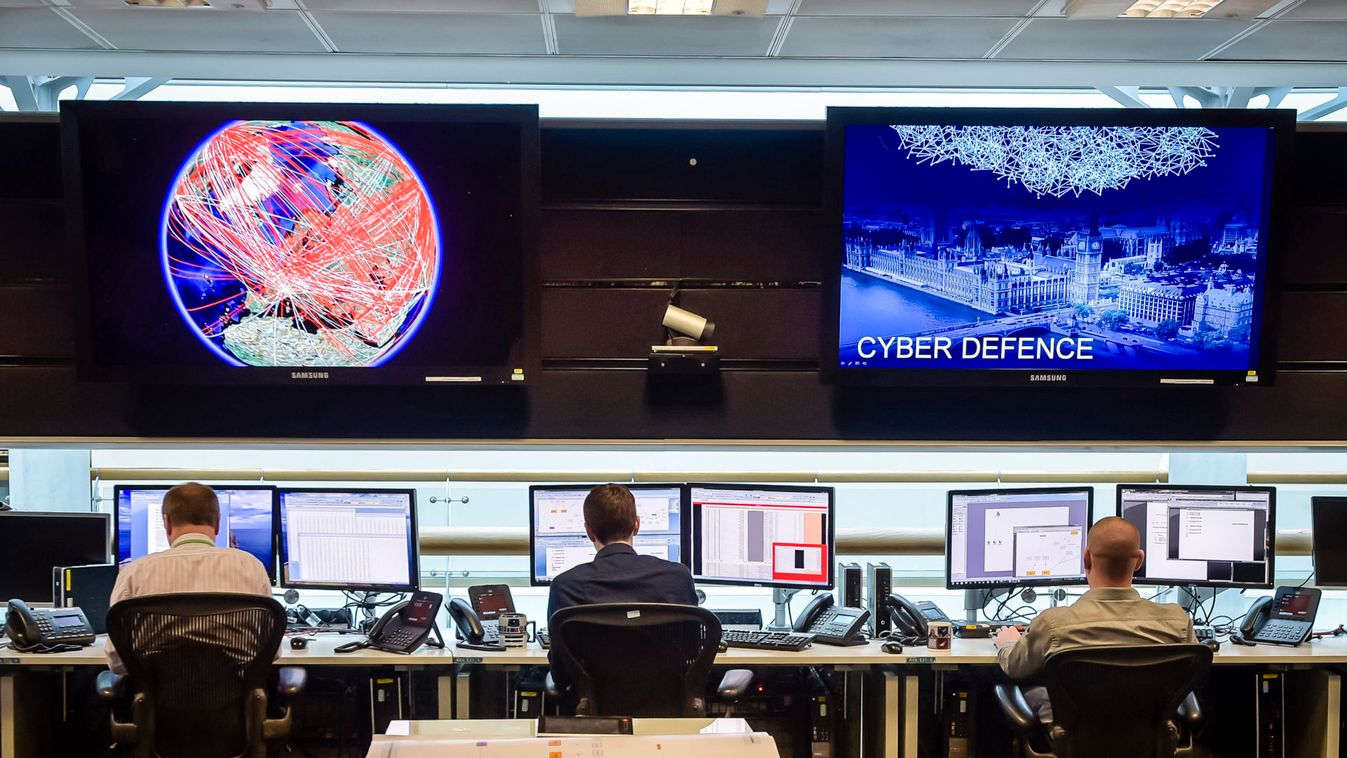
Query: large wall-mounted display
<point x="310" y="243"/>
<point x="992" y="246"/>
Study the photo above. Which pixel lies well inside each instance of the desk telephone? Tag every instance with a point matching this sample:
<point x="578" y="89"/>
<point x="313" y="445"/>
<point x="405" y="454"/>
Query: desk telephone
<point x="1286" y="618"/>
<point x="405" y="627"/>
<point x="911" y="620"/>
<point x="477" y="620"/>
<point x="47" y="630"/>
<point x="833" y="624"/>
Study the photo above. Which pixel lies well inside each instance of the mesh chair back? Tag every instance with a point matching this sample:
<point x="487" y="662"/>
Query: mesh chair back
<point x="1120" y="700"/>
<point x="636" y="659"/>
<point x="198" y="658"/>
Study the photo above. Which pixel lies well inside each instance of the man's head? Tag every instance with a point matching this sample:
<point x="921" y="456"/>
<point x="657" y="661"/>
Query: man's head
<point x="1112" y="553"/>
<point x="610" y="515"/>
<point x="191" y="509"/>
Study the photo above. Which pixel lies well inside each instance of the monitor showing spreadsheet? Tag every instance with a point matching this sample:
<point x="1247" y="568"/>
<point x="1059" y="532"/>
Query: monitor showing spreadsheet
<point x="1211" y="536"/>
<point x="355" y="539"/>
<point x="1016" y="537"/>
<point x="762" y="536"/>
<point x="245" y="521"/>
<point x="557" y="539"/>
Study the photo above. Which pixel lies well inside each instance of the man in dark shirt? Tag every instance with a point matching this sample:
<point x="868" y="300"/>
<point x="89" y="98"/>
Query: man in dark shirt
<point x="618" y="574"/>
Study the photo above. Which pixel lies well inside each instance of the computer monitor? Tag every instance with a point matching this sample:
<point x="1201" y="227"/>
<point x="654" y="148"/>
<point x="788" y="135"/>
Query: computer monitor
<point x="762" y="536"/>
<point x="557" y="540"/>
<point x="1329" y="518"/>
<point x="348" y="539"/>
<point x="32" y="544"/>
<point x="1210" y="536"/>
<point x="246" y="521"/>
<point x="1016" y="537"/>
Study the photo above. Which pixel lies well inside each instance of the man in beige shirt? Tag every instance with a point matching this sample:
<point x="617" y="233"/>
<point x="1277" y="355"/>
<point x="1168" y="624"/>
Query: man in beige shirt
<point x="1111" y="613"/>
<point x="193" y="563"/>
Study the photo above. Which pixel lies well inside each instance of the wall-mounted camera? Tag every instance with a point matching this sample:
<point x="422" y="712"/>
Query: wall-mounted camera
<point x="685" y="350"/>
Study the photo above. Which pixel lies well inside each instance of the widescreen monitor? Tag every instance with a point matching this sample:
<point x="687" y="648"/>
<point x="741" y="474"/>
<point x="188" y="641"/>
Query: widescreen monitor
<point x="1329" y="518"/>
<point x="762" y="536"/>
<point x="301" y="243"/>
<point x="1203" y="535"/>
<point x="557" y="540"/>
<point x="246" y="517"/>
<point x="1017" y="537"/>
<point x="32" y="544"/>
<point x="349" y="539"/>
<point x="1028" y="246"/>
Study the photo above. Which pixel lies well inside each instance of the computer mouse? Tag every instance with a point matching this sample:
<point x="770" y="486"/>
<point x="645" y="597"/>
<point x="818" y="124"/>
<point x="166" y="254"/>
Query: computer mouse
<point x="299" y="643"/>
<point x="1213" y="643"/>
<point x="892" y="647"/>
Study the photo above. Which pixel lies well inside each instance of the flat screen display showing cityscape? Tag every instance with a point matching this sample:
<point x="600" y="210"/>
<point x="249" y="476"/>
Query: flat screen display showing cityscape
<point x="1039" y="249"/>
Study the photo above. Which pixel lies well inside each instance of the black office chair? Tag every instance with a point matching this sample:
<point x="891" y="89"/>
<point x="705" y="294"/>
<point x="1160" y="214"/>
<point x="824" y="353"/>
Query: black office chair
<point x="1113" y="702"/>
<point x="197" y="667"/>
<point x="641" y="659"/>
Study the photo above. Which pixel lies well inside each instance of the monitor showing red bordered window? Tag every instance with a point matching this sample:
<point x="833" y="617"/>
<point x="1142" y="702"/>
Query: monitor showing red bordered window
<point x="762" y="536"/>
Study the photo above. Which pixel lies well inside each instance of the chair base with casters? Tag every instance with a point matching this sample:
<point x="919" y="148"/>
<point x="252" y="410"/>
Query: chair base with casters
<point x="198" y="667"/>
<point x="1112" y="702"/>
<point x="733" y="687"/>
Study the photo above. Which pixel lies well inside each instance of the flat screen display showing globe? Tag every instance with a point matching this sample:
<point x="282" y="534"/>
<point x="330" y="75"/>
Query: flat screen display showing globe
<point x="1054" y="246"/>
<point x="302" y="243"/>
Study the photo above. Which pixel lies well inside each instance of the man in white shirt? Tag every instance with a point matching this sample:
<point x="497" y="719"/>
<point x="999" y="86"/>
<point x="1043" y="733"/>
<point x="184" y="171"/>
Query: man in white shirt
<point x="193" y="563"/>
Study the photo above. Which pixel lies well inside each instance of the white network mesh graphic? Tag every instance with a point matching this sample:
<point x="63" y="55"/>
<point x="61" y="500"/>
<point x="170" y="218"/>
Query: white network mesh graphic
<point x="1056" y="160"/>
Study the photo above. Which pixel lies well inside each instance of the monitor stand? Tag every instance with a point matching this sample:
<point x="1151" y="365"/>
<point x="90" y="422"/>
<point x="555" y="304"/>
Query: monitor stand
<point x="781" y="620"/>
<point x="1192" y="598"/>
<point x="976" y="600"/>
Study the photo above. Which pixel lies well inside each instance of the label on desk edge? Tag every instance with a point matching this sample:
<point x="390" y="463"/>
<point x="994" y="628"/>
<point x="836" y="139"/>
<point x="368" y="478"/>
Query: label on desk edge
<point x="921" y="659"/>
<point x="471" y="661"/>
<point x="10" y="661"/>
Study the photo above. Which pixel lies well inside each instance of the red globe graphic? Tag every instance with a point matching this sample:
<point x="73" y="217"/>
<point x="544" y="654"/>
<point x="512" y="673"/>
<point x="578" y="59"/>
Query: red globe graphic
<point x="301" y="243"/>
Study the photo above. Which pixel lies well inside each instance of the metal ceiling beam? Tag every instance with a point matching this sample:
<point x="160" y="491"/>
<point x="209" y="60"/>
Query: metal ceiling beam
<point x="137" y="87"/>
<point x="1127" y="97"/>
<point x="545" y="70"/>
<point x="1324" y="109"/>
<point x="24" y="91"/>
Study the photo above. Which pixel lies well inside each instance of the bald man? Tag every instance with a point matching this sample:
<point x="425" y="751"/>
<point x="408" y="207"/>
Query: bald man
<point x="1111" y="613"/>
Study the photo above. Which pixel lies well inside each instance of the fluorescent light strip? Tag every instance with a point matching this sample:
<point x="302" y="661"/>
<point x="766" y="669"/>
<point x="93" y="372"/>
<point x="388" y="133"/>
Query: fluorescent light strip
<point x="669" y="7"/>
<point x="1170" y="8"/>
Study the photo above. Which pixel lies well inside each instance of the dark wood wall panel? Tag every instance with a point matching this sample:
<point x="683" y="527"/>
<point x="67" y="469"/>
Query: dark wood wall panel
<point x="743" y="231"/>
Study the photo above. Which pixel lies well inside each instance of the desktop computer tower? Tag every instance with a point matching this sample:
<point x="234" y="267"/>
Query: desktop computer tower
<point x="1271" y="702"/>
<point x="960" y="722"/>
<point x="849" y="585"/>
<point x="879" y="583"/>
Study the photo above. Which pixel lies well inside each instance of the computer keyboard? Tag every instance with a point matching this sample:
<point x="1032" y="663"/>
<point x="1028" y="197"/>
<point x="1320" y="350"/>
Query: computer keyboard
<point x="544" y="639"/>
<point x="764" y="640"/>
<point x="1204" y="633"/>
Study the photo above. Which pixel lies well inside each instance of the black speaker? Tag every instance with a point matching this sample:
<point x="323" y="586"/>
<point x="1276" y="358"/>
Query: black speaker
<point x="849" y="585"/>
<point x="879" y="583"/>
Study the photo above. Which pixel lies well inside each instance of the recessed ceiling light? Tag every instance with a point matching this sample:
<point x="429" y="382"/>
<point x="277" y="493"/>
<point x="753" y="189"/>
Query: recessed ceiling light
<point x="1169" y="9"/>
<point x="749" y="8"/>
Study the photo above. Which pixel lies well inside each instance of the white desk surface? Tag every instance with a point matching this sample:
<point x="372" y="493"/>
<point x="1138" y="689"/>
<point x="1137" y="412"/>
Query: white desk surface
<point x="963" y="652"/>
<point x="496" y="729"/>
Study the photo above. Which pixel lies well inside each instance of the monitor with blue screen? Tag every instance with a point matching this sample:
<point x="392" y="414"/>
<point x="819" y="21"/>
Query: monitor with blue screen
<point x="245" y="521"/>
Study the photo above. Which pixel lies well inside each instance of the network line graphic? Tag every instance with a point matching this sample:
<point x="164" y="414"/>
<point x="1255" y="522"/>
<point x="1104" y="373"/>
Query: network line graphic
<point x="301" y="243"/>
<point x="1057" y="160"/>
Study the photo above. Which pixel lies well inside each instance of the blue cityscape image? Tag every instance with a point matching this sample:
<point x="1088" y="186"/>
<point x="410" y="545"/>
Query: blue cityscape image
<point x="1052" y="247"/>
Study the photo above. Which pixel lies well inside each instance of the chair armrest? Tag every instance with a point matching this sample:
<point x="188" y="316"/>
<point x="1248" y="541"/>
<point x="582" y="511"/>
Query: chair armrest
<point x="1190" y="712"/>
<point x="1015" y="708"/>
<point x="734" y="685"/>
<point x="110" y="685"/>
<point x="550" y="685"/>
<point x="290" y="680"/>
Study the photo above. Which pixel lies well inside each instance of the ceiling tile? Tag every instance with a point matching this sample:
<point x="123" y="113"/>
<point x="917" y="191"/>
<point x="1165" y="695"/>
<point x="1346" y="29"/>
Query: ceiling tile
<point x="893" y="38"/>
<point x="984" y="8"/>
<point x="443" y="33"/>
<point x="1292" y="41"/>
<point x="618" y="35"/>
<point x="774" y="7"/>
<point x="1121" y="39"/>
<point x="39" y="28"/>
<point x="1318" y="9"/>
<point x="23" y="4"/>
<point x="163" y="29"/>
<point x="425" y="6"/>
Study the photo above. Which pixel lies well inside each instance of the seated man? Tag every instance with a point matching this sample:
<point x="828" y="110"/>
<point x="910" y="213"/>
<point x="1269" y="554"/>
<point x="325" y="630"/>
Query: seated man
<point x="193" y="563"/>
<point x="618" y="574"/>
<point x="1111" y="613"/>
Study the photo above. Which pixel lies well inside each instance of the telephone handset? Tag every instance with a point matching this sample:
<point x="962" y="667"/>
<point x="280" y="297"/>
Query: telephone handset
<point x="832" y="624"/>
<point x="909" y="623"/>
<point x="473" y="633"/>
<point x="47" y="630"/>
<point x="1286" y="618"/>
<point x="405" y="627"/>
